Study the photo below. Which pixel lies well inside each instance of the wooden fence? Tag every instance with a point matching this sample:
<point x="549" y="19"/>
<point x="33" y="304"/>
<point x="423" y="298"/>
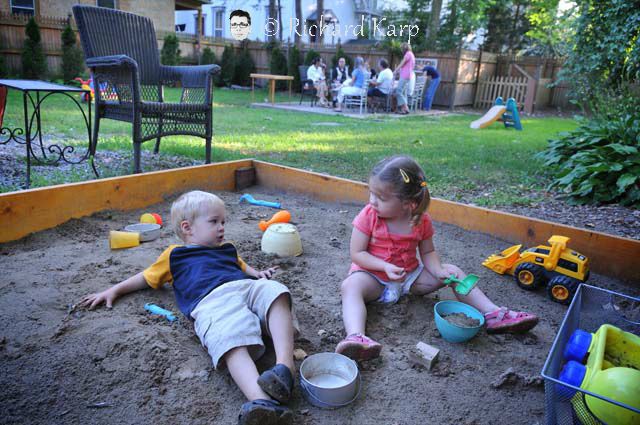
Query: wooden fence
<point x="491" y="88"/>
<point x="466" y="76"/>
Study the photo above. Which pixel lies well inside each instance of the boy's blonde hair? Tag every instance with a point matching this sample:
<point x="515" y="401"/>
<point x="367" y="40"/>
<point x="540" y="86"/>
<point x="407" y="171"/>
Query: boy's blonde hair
<point x="189" y="206"/>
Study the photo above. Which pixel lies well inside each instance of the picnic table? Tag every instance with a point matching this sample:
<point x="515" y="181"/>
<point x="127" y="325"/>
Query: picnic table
<point x="272" y="84"/>
<point x="34" y="93"/>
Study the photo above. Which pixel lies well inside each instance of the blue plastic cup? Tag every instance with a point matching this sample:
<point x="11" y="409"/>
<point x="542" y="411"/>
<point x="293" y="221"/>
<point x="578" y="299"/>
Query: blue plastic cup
<point x="451" y="332"/>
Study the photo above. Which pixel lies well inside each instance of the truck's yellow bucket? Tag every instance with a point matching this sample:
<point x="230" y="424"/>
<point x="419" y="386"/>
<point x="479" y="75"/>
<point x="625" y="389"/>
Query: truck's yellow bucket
<point x="501" y="263"/>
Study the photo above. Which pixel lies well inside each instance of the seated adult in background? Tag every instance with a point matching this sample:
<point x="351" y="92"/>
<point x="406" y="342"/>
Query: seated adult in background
<point x="315" y="73"/>
<point x="341" y="72"/>
<point x="429" y="94"/>
<point x="382" y="85"/>
<point x="371" y="71"/>
<point x="355" y="86"/>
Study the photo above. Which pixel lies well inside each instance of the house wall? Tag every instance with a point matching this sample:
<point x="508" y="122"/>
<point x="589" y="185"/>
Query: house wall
<point x="344" y="10"/>
<point x="160" y="11"/>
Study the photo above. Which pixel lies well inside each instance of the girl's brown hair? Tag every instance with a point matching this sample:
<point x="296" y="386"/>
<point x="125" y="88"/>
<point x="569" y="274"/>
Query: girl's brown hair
<point x="407" y="181"/>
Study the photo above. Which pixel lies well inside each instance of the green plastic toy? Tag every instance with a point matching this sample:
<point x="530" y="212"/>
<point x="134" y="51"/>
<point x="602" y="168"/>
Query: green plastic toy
<point x="463" y="286"/>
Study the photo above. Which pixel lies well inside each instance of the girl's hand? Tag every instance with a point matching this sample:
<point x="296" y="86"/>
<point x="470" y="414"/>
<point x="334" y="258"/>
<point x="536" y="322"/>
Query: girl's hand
<point x="394" y="272"/>
<point x="107" y="296"/>
<point x="267" y="273"/>
<point x="447" y="270"/>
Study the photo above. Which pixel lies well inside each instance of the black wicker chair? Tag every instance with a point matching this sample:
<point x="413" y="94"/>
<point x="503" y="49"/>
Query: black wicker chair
<point x="306" y="86"/>
<point x="121" y="51"/>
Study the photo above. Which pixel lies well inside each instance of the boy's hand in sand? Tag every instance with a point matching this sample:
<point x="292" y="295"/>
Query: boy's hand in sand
<point x="107" y="297"/>
<point x="267" y="273"/>
<point x="394" y="272"/>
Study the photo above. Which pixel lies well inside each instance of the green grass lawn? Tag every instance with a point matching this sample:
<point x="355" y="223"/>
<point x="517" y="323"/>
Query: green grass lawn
<point x="495" y="165"/>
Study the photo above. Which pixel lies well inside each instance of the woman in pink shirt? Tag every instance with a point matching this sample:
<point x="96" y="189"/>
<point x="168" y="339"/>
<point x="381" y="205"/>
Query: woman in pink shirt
<point x="404" y="69"/>
<point x="393" y="254"/>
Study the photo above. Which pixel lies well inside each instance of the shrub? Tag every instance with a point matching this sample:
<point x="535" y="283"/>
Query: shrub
<point x="599" y="162"/>
<point x="72" y="59"/>
<point x="278" y="66"/>
<point x="4" y="70"/>
<point x="311" y="54"/>
<point x="228" y="64"/>
<point x="294" y="63"/>
<point x="209" y="57"/>
<point x="244" y="67"/>
<point x="170" y="53"/>
<point x="34" y="63"/>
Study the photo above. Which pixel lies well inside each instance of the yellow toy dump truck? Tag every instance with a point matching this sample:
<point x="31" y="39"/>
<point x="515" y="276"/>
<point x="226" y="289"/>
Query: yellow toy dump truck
<point x="558" y="267"/>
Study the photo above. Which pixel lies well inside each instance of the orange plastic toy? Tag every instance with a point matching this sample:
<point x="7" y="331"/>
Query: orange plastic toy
<point x="280" y="217"/>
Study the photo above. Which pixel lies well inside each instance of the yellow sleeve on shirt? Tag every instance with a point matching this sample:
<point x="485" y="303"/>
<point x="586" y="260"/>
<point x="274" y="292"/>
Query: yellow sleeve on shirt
<point x="159" y="272"/>
<point x="241" y="263"/>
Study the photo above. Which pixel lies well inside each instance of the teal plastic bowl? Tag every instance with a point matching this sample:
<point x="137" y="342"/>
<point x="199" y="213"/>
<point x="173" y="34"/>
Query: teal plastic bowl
<point x="451" y="332"/>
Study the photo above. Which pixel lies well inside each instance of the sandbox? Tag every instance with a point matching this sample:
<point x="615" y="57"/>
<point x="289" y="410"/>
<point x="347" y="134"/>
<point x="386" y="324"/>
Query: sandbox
<point x="65" y="365"/>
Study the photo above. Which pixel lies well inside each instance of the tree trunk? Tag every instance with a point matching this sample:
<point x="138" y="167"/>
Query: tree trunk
<point x="514" y="29"/>
<point x="296" y="37"/>
<point x="320" y="11"/>
<point x="434" y="24"/>
<point x="280" y="21"/>
<point x="272" y="14"/>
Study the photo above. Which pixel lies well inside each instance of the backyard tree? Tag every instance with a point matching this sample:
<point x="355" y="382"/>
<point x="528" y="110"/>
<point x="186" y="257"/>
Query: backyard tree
<point x="170" y="53"/>
<point x="462" y="19"/>
<point x="507" y="25"/>
<point x="4" y="71"/>
<point x="34" y="63"/>
<point x="209" y="57"/>
<point x="244" y="65"/>
<point x="278" y="65"/>
<point x="228" y="65"/>
<point x="72" y="60"/>
<point x="600" y="160"/>
<point x="311" y="54"/>
<point x="551" y="28"/>
<point x="294" y="62"/>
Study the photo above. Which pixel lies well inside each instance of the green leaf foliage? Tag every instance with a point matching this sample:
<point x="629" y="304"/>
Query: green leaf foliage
<point x="209" y="57"/>
<point x="278" y="66"/>
<point x="599" y="162"/>
<point x="228" y="64"/>
<point x="244" y="66"/>
<point x="294" y="63"/>
<point x="72" y="58"/>
<point x="170" y="53"/>
<point x="311" y="54"/>
<point x="34" y="63"/>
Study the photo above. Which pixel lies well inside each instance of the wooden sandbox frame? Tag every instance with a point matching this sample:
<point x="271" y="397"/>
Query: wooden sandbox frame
<point x="25" y="212"/>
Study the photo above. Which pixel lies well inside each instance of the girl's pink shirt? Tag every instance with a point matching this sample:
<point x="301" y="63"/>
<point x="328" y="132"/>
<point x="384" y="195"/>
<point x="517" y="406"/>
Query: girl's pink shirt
<point x="409" y="64"/>
<point x="399" y="250"/>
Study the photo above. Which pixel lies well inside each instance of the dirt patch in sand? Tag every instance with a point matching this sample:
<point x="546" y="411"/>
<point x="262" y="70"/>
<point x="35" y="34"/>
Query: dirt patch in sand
<point x="64" y="365"/>
<point x="462" y="320"/>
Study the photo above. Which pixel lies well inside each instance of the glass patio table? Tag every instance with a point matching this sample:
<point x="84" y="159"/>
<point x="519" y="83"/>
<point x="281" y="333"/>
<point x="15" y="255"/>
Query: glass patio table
<point x="34" y="93"/>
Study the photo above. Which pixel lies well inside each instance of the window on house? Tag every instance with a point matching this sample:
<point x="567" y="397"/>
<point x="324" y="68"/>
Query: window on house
<point x="111" y="4"/>
<point x="23" y="6"/>
<point x="218" y="23"/>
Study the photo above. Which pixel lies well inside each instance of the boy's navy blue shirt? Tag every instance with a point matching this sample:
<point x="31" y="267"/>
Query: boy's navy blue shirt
<point x="431" y="72"/>
<point x="195" y="271"/>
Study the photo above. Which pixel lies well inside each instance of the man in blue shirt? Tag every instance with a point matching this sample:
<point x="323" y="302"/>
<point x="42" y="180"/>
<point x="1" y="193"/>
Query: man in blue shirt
<point x="430" y="71"/>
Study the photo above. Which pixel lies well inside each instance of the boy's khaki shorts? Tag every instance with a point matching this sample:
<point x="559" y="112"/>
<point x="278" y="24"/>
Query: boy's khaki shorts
<point x="235" y="315"/>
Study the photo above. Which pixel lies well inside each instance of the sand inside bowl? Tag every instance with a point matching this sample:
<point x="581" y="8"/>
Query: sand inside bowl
<point x="462" y="320"/>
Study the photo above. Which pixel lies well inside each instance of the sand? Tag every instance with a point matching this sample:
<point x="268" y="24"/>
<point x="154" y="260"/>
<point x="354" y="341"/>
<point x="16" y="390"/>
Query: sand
<point x="64" y="365"/>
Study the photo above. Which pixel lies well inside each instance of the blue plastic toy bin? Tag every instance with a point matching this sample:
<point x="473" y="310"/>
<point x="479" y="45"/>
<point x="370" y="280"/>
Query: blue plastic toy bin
<point x="591" y="307"/>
